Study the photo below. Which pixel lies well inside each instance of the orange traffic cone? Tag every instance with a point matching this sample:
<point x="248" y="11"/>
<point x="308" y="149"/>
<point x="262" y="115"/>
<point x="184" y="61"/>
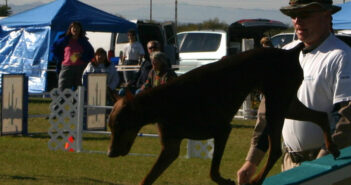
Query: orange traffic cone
<point x="68" y="144"/>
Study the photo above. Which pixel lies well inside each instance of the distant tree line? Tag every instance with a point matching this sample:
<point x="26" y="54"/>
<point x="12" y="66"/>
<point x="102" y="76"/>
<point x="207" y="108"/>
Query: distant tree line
<point x="216" y="24"/>
<point x="5" y="10"/>
<point x="211" y="24"/>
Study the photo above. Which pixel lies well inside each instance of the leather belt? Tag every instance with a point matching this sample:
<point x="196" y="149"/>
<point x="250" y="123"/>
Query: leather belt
<point x="299" y="157"/>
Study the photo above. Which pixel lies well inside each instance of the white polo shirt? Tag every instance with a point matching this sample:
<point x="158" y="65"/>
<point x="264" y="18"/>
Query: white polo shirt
<point x="327" y="81"/>
<point x="133" y="51"/>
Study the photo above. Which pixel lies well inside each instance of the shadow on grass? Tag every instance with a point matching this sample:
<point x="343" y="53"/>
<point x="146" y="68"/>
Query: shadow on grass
<point x="39" y="100"/>
<point x="45" y="135"/>
<point x="99" y="137"/>
<point x="55" y="180"/>
<point x="100" y="182"/>
<point x="242" y="126"/>
<point x="40" y="135"/>
<point x="17" y="177"/>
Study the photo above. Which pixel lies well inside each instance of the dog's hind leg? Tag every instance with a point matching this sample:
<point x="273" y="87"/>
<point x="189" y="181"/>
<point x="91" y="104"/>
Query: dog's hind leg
<point x="276" y="105"/>
<point x="220" y="141"/>
<point x="299" y="111"/>
<point x="274" y="128"/>
<point x="169" y="152"/>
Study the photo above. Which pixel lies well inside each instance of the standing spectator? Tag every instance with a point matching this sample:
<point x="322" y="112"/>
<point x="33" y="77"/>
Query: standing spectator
<point x="160" y="72"/>
<point x="133" y="54"/>
<point x="72" y="52"/>
<point x="100" y="64"/>
<point x="326" y="64"/>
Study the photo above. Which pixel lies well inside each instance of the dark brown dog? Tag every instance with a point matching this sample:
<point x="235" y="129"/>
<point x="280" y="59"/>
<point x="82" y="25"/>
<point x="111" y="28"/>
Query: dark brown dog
<point x="201" y="104"/>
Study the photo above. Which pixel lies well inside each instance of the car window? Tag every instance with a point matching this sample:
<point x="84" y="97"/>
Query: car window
<point x="253" y="28"/>
<point x="180" y="38"/>
<point x="122" y="38"/>
<point x="346" y="39"/>
<point x="280" y="40"/>
<point x="200" y="42"/>
<point x="170" y="33"/>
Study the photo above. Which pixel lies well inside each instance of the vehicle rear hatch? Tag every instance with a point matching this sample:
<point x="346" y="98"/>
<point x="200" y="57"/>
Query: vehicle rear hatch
<point x="200" y="48"/>
<point x="251" y="28"/>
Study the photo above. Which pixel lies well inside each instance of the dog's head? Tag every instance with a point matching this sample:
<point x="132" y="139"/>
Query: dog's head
<point x="123" y="126"/>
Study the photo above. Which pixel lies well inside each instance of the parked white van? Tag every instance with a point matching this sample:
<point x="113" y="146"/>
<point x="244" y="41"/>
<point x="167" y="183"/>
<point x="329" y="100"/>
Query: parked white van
<point x="197" y="48"/>
<point x="100" y="40"/>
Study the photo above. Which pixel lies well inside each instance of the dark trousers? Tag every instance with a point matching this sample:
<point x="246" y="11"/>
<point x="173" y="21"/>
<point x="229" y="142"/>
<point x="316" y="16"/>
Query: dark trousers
<point x="70" y="77"/>
<point x="129" y="75"/>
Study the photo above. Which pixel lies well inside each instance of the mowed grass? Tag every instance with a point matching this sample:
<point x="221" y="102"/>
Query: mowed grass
<point x="28" y="160"/>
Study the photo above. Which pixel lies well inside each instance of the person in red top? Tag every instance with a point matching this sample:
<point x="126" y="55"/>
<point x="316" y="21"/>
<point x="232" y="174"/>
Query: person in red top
<point x="72" y="52"/>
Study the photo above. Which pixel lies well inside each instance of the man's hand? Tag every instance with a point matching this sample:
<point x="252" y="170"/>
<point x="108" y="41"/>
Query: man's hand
<point x="346" y="111"/>
<point x="245" y="173"/>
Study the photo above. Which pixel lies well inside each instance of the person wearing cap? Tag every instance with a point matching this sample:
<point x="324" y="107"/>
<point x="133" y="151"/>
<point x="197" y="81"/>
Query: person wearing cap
<point x="326" y="63"/>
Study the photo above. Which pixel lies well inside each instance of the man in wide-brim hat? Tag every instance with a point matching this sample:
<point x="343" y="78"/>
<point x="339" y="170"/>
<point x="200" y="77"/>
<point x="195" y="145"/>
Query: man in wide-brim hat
<point x="298" y="7"/>
<point x="310" y="19"/>
<point x="326" y="64"/>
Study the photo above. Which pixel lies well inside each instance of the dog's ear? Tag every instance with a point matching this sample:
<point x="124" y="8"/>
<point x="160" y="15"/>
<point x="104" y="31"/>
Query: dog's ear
<point x="129" y="94"/>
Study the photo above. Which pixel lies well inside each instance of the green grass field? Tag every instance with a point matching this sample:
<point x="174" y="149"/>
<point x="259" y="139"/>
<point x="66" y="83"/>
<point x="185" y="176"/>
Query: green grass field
<point x="27" y="160"/>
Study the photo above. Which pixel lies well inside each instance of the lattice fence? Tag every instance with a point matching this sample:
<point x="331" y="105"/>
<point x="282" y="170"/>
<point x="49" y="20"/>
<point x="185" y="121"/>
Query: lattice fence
<point x="64" y="119"/>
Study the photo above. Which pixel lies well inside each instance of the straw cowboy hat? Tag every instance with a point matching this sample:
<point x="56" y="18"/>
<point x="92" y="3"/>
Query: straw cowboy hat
<point x="296" y="7"/>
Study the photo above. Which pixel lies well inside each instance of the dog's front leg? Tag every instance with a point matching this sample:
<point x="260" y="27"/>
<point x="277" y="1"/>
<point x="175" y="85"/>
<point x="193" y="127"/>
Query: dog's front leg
<point x="299" y="111"/>
<point x="169" y="152"/>
<point x="219" y="146"/>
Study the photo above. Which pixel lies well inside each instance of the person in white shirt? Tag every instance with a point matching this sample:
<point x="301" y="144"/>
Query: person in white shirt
<point x="326" y="63"/>
<point x="100" y="64"/>
<point x="133" y="54"/>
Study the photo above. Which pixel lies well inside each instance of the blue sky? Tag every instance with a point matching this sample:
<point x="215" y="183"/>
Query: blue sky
<point x="111" y="4"/>
<point x="188" y="10"/>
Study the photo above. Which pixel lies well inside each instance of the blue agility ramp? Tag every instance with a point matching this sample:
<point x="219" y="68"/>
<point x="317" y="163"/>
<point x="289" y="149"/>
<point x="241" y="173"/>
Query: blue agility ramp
<point x="323" y="171"/>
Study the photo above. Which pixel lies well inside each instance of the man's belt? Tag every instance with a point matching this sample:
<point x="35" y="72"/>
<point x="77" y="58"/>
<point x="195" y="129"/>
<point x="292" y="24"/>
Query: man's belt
<point x="299" y="157"/>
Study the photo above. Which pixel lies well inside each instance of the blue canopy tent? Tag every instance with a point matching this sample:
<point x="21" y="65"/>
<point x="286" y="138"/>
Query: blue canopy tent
<point x="342" y="19"/>
<point x="25" y="38"/>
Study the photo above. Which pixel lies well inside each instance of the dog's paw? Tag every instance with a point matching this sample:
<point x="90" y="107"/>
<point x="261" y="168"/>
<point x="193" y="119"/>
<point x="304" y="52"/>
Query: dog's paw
<point x="336" y="154"/>
<point x="334" y="151"/>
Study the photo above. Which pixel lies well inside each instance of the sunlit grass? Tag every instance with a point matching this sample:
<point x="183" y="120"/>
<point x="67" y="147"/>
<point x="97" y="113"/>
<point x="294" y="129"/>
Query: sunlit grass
<point x="28" y="160"/>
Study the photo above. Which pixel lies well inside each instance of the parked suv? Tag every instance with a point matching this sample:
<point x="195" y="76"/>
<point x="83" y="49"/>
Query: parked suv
<point x="197" y="48"/>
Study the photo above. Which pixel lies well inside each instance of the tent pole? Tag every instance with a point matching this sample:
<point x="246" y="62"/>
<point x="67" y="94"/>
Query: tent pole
<point x="150" y="10"/>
